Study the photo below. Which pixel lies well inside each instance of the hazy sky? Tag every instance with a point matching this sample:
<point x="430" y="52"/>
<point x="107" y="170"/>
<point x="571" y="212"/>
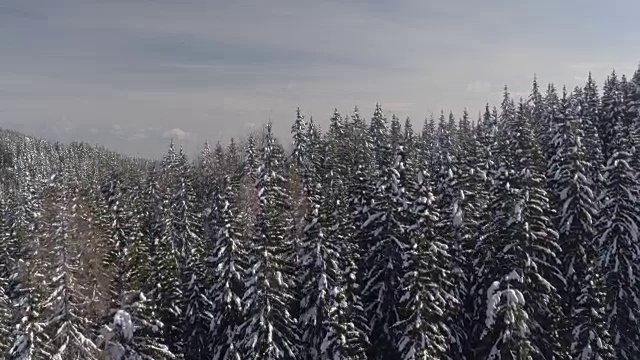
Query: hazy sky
<point x="130" y="74"/>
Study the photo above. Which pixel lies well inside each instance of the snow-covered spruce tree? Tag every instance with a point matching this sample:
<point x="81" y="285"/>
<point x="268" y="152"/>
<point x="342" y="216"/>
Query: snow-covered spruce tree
<point x="611" y="107"/>
<point x="422" y="293"/>
<point x="186" y="236"/>
<point x="465" y="220"/>
<point x="359" y="168"/>
<point x="5" y="304"/>
<point x="20" y="208"/>
<point x="166" y="256"/>
<point x="487" y="342"/>
<point x="130" y="331"/>
<point x="269" y="330"/>
<point x="299" y="132"/>
<point x="132" y="334"/>
<point x="537" y="109"/>
<point x="427" y="144"/>
<point x="66" y="325"/>
<point x="556" y="138"/>
<point x="446" y="175"/>
<point x="320" y="283"/>
<point x="617" y="225"/>
<point x="151" y="232"/>
<point x="27" y="338"/>
<point x="358" y="145"/>
<point x="351" y="339"/>
<point x="204" y="187"/>
<point x="586" y="327"/>
<point x="551" y="109"/>
<point x="248" y="195"/>
<point x="517" y="254"/>
<point x="218" y="166"/>
<point x="229" y="263"/>
<point x="301" y="179"/>
<point x="449" y="198"/>
<point x="589" y="107"/>
<point x="409" y="139"/>
<point x="381" y="262"/>
<point x="332" y="319"/>
<point x="485" y="146"/>
<point x="233" y="158"/>
<point x="395" y="132"/>
<point x="632" y="105"/>
<point x="338" y="156"/>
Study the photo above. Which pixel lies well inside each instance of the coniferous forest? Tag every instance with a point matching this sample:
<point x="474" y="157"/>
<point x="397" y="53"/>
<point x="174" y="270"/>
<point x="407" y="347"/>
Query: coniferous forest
<point x="510" y="235"/>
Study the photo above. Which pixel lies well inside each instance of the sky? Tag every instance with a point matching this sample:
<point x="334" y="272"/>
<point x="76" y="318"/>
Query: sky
<point x="132" y="74"/>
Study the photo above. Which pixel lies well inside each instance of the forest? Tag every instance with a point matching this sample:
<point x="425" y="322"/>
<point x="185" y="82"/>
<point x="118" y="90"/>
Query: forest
<point x="510" y="235"/>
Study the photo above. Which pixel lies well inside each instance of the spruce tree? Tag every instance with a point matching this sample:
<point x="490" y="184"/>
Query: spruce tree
<point x="269" y="330"/>
<point x="589" y="109"/>
<point x="587" y="335"/>
<point x="517" y="254"/>
<point x="618" y="223"/>
<point x="228" y="265"/>
<point x="422" y="294"/>
<point x="66" y="324"/>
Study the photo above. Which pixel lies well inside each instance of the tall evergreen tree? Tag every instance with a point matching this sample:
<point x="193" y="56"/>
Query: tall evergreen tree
<point x="422" y="294"/>
<point x="587" y="335"/>
<point x="618" y="223"/>
<point x="589" y="109"/>
<point x="67" y="325"/>
<point x="228" y="260"/>
<point x="519" y="252"/>
<point x="269" y="331"/>
<point x="381" y="262"/>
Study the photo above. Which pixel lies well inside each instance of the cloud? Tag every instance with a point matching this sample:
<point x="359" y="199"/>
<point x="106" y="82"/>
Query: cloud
<point x="482" y="87"/>
<point x="399" y="106"/>
<point x="212" y="67"/>
<point x="176" y="133"/>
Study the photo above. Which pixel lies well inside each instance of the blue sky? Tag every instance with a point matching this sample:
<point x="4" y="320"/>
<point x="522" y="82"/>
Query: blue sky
<point x="130" y="74"/>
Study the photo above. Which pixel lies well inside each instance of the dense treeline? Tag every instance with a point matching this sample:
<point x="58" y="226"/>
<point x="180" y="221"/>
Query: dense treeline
<point x="513" y="235"/>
